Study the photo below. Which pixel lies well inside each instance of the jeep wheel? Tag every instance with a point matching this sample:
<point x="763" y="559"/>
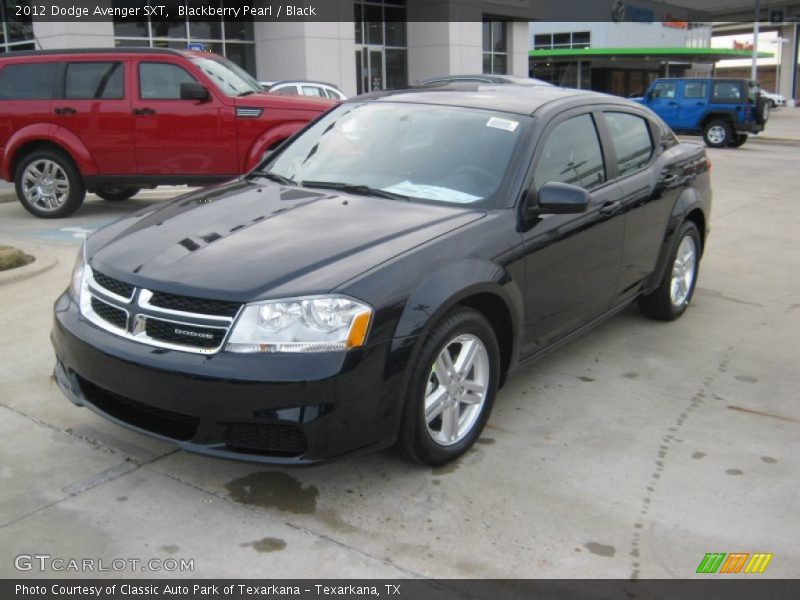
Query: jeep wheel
<point x="49" y="185"/>
<point x="762" y="110"/>
<point x="739" y="140"/>
<point x="717" y="133"/>
<point x="117" y="194"/>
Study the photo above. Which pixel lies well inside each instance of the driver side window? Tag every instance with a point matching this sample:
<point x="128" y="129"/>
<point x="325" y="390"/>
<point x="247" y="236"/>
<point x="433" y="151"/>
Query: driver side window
<point x="571" y="154"/>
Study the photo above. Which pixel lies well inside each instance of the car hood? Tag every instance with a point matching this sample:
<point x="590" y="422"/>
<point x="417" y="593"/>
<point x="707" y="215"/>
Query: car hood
<point x="280" y="101"/>
<point x="244" y="240"/>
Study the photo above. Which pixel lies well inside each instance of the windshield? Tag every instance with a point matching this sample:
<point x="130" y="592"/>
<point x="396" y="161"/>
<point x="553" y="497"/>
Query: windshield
<point x="230" y="78"/>
<point x="443" y="154"/>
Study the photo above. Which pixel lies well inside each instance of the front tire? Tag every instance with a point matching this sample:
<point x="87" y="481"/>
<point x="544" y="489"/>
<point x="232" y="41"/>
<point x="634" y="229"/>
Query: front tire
<point x="671" y="298"/>
<point x="717" y="133"/>
<point x="452" y="388"/>
<point x="115" y="194"/>
<point x="49" y="185"/>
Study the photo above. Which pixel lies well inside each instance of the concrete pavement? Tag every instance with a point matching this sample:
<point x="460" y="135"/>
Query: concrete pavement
<point x="630" y="453"/>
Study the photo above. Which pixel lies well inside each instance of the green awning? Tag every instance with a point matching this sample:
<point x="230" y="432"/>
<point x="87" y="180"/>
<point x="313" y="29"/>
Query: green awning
<point x="678" y="54"/>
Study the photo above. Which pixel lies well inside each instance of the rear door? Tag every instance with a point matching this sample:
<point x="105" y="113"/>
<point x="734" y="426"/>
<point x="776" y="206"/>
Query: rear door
<point x="572" y="262"/>
<point x="176" y="137"/>
<point x="650" y="182"/>
<point x="94" y="103"/>
<point x="693" y="104"/>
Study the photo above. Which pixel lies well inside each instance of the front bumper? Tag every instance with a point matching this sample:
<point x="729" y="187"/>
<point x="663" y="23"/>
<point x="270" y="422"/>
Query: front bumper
<point x="273" y="408"/>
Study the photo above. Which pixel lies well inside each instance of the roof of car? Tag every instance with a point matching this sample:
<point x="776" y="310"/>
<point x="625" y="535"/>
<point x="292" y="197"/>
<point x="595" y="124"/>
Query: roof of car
<point x="298" y="81"/>
<point x="522" y="100"/>
<point x="482" y="77"/>
<point x="117" y="50"/>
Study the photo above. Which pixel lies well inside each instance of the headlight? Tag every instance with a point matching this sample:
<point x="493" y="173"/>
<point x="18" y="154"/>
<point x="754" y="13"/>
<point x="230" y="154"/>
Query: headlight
<point x="310" y="324"/>
<point x="77" y="274"/>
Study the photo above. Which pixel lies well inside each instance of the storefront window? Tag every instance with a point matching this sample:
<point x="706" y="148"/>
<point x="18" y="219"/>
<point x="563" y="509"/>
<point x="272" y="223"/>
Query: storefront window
<point x="232" y="39"/>
<point x="16" y="33"/>
<point x="381" y="45"/>
<point x="495" y="47"/>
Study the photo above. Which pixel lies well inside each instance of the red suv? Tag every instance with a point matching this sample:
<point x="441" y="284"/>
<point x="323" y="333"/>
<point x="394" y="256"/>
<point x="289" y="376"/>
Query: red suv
<point x="114" y="121"/>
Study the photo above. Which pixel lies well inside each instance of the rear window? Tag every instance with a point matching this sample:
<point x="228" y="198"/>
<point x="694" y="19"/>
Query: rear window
<point x="32" y="81"/>
<point x="94" y="80"/>
<point x="727" y="91"/>
<point x="630" y="135"/>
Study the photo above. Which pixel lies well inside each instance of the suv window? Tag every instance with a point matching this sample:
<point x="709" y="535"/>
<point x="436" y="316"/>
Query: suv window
<point x="94" y="80"/>
<point x="32" y="81"/>
<point x="572" y="154"/>
<point x="631" y="138"/>
<point x="695" y="89"/>
<point x="162" y="81"/>
<point x="313" y="90"/>
<point x="665" y="89"/>
<point x="727" y="91"/>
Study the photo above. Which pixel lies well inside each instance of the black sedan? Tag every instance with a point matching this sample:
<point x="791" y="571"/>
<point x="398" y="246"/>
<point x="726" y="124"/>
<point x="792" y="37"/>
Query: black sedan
<point x="379" y="275"/>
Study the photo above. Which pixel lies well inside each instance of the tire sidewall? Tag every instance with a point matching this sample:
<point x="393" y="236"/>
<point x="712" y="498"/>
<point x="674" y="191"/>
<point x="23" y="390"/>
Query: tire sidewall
<point x="77" y="191"/>
<point x="456" y="323"/>
<point x="118" y="195"/>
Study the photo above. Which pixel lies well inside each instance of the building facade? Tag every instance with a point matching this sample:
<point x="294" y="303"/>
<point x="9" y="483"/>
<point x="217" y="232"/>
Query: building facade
<point x="372" y="44"/>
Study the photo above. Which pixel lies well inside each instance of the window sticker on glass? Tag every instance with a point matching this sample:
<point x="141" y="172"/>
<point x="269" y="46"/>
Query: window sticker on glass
<point x="504" y="124"/>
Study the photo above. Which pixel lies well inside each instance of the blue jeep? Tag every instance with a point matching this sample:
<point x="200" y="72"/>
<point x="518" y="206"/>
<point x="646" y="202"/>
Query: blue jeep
<point x="723" y="111"/>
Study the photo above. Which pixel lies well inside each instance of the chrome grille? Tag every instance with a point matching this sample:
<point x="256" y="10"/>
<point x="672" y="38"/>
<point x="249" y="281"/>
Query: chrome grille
<point x="156" y="318"/>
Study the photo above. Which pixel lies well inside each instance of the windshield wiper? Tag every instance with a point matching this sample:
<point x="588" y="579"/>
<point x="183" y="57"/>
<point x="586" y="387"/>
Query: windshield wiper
<point x="273" y="177"/>
<point x="354" y="188"/>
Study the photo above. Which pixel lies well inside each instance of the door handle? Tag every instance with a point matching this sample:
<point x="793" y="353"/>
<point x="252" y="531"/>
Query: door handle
<point x="700" y="104"/>
<point x="673" y="103"/>
<point x="611" y="207"/>
<point x="143" y="111"/>
<point x="64" y="110"/>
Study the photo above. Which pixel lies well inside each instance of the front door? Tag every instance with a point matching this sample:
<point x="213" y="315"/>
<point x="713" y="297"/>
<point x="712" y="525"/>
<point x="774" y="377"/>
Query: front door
<point x="693" y="105"/>
<point x="180" y="137"/>
<point x="370" y="68"/>
<point x="664" y="100"/>
<point x="572" y="263"/>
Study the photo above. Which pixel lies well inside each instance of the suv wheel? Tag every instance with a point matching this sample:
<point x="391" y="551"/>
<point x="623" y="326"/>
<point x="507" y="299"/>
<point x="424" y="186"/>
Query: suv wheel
<point x="49" y="185"/>
<point x="672" y="296"/>
<point x="717" y="133"/>
<point x="451" y="390"/>
<point x="117" y="194"/>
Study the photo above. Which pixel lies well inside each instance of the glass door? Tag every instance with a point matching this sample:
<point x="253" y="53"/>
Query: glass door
<point x="370" y="69"/>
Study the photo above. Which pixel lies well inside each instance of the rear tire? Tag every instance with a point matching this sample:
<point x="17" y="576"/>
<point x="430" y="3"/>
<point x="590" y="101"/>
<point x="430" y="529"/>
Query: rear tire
<point x="48" y="184"/>
<point x="450" y="395"/>
<point x="116" y="194"/>
<point x="671" y="298"/>
<point x="739" y="140"/>
<point x="717" y="133"/>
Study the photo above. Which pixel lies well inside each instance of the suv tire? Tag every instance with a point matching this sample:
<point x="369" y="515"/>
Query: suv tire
<point x="426" y="433"/>
<point x="670" y="299"/>
<point x="738" y="140"/>
<point x="48" y="184"/>
<point x="762" y="110"/>
<point x="717" y="133"/>
<point x="115" y="194"/>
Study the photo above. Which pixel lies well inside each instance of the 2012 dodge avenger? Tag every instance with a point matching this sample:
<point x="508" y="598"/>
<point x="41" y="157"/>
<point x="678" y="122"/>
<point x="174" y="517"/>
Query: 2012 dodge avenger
<point x="375" y="280"/>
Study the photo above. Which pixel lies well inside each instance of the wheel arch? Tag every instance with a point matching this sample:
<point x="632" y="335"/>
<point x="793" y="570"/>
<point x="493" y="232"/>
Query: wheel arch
<point x="689" y="207"/>
<point x="39" y="137"/>
<point x="269" y="140"/>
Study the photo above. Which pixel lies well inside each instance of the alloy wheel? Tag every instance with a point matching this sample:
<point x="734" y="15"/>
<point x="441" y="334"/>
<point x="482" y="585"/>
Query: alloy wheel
<point x="45" y="184"/>
<point x="456" y="389"/>
<point x="716" y="134"/>
<point x="683" y="271"/>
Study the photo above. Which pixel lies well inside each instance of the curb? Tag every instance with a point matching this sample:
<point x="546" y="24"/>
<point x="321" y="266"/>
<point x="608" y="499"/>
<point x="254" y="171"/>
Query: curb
<point x="6" y="197"/>
<point x="43" y="263"/>
<point x="775" y="140"/>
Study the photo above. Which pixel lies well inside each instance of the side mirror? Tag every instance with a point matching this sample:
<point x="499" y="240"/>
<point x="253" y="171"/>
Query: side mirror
<point x="563" y="198"/>
<point x="649" y="96"/>
<point x="191" y="90"/>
